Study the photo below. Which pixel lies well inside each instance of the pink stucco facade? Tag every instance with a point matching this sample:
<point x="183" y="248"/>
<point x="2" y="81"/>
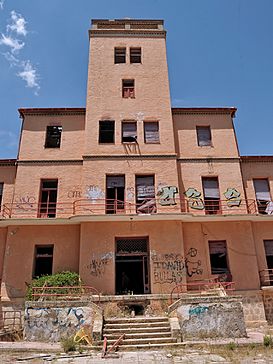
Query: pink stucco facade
<point x="89" y="201"/>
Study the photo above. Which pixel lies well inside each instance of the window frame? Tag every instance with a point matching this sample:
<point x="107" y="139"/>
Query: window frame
<point x="144" y="131"/>
<point x="99" y="136"/>
<point x="199" y="127"/>
<point x="132" y="49"/>
<point x="47" y="138"/>
<point x="128" y="122"/>
<point x="36" y="246"/>
<point x="127" y="88"/>
<point x="116" y="55"/>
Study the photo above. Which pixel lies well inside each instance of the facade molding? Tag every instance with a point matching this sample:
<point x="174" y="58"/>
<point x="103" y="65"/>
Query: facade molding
<point x="51" y="111"/>
<point x="118" y="156"/>
<point x="204" y="110"/>
<point x="123" y="33"/>
<point x="43" y="162"/>
<point x="208" y="160"/>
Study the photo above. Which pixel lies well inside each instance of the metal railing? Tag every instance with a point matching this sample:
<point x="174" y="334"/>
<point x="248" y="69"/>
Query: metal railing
<point x="200" y="286"/>
<point x="149" y="206"/>
<point x="266" y="277"/>
<point x="46" y="293"/>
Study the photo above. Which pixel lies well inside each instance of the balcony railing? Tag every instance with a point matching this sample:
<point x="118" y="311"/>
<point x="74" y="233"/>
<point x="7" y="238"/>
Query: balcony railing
<point x="266" y="277"/>
<point x="85" y="207"/>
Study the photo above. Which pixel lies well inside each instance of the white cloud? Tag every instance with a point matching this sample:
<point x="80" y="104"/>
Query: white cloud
<point x="18" y="24"/>
<point x="2" y="4"/>
<point x="14" y="44"/>
<point x="13" y="61"/>
<point x="29" y="74"/>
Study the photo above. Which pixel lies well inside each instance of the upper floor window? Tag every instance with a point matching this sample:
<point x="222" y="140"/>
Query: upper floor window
<point x="263" y="197"/>
<point x="128" y="89"/>
<point x="107" y="131"/>
<point x="48" y="198"/>
<point x="120" y="55"/>
<point x="135" y="55"/>
<point x="129" y="131"/>
<point x="53" y="136"/>
<point x="211" y="195"/>
<point x="203" y="136"/>
<point x="151" y="132"/>
<point x="1" y="193"/>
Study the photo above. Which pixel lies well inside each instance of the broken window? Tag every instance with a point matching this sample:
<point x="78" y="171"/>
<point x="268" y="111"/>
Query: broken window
<point x="107" y="131"/>
<point x="43" y="260"/>
<point x="268" y="277"/>
<point x="203" y="136"/>
<point x="145" y="194"/>
<point x="262" y="192"/>
<point x="53" y="136"/>
<point x="129" y="132"/>
<point x="128" y="89"/>
<point x="218" y="257"/>
<point x="115" y="187"/>
<point x="211" y="195"/>
<point x="120" y="55"/>
<point x="135" y="55"/>
<point x="1" y="193"/>
<point x="48" y="198"/>
<point x="151" y="132"/>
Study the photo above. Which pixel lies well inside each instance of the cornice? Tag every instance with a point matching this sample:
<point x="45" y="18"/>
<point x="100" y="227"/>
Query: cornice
<point x="8" y="162"/>
<point x="257" y="159"/>
<point x="147" y="156"/>
<point x="46" y="162"/>
<point x="208" y="160"/>
<point x="204" y="111"/>
<point x="123" y="33"/>
<point x="51" y="111"/>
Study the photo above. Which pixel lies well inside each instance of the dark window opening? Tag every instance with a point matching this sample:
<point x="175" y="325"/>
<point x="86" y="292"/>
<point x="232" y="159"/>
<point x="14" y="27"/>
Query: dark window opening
<point x="53" y="136"/>
<point x="107" y="131"/>
<point x="43" y="260"/>
<point x="263" y="197"/>
<point x="48" y="198"/>
<point x="203" y="136"/>
<point x="218" y="257"/>
<point x="151" y="132"/>
<point x="145" y="195"/>
<point x="132" y="268"/>
<point x="1" y="193"/>
<point x="129" y="132"/>
<point x="120" y="55"/>
<point x="135" y="55"/>
<point x="115" y="187"/>
<point x="128" y="89"/>
<point x="211" y="195"/>
<point x="267" y="278"/>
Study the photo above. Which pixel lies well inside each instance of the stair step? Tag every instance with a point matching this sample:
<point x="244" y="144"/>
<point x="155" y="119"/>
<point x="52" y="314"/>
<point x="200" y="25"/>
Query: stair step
<point x="139" y="319"/>
<point x="144" y="346"/>
<point x="132" y="330"/>
<point x="137" y="324"/>
<point x="140" y="341"/>
<point x="140" y="335"/>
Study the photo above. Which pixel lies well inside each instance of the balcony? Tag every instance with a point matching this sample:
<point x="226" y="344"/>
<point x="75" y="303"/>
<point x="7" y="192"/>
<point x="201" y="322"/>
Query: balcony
<point x="87" y="207"/>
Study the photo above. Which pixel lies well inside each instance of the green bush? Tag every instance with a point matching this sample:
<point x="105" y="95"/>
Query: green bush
<point x="231" y="345"/>
<point x="268" y="341"/>
<point x="55" y="280"/>
<point x="68" y="344"/>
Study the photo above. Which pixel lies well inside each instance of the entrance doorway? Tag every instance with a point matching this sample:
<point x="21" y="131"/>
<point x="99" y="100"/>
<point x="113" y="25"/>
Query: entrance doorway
<point x="132" y="266"/>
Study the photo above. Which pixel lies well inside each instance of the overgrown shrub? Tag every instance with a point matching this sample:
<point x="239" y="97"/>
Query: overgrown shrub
<point x="268" y="341"/>
<point x="62" y="279"/>
<point x="68" y="344"/>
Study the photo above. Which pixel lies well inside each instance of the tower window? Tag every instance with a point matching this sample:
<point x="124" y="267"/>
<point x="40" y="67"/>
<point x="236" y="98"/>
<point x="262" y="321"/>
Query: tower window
<point x="128" y="89"/>
<point x="107" y="131"/>
<point x="53" y="136"/>
<point x="129" y="131"/>
<point x="120" y="55"/>
<point x="203" y="136"/>
<point x="151" y="132"/>
<point x="135" y="55"/>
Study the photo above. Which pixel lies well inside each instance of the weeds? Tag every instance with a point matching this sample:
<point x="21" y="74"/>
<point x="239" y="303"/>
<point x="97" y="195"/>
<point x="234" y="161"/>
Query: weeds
<point x="68" y="344"/>
<point x="268" y="341"/>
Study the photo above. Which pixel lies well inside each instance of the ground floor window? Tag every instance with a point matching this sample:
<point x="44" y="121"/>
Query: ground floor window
<point x="218" y="257"/>
<point x="132" y="268"/>
<point x="43" y="260"/>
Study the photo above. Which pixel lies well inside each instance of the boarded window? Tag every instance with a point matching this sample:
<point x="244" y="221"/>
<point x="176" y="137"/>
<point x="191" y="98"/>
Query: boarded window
<point x="211" y="195"/>
<point x="128" y="89"/>
<point x="48" y="198"/>
<point x="218" y="257"/>
<point x="43" y="260"/>
<point x="129" y="132"/>
<point x="203" y="135"/>
<point x="135" y="55"/>
<point x="107" y="131"/>
<point x="151" y="132"/>
<point x="262" y="192"/>
<point x="120" y="55"/>
<point x="145" y="187"/>
<point x="1" y="192"/>
<point x="53" y="136"/>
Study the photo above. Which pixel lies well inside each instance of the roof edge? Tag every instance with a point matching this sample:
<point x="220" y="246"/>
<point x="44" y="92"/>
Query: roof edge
<point x="49" y="111"/>
<point x="211" y="110"/>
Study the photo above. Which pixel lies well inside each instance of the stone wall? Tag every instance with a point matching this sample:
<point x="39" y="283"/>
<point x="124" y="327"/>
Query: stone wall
<point x="52" y="321"/>
<point x="268" y="304"/>
<point x="211" y="317"/>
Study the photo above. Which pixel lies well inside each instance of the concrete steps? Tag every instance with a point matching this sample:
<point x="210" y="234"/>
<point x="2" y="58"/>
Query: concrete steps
<point x="140" y="332"/>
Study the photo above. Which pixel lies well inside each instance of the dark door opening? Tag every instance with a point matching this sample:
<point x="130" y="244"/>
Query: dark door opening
<point x="48" y="198"/>
<point x="132" y="269"/>
<point x="115" y="187"/>
<point x="268" y="246"/>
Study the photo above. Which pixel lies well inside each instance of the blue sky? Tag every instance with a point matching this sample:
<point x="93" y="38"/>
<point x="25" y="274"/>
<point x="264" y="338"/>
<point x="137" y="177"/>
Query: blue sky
<point x="220" y="53"/>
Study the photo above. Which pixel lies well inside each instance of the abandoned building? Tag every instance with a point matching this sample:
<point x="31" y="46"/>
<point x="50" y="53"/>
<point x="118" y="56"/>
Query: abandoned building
<point x="134" y="195"/>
